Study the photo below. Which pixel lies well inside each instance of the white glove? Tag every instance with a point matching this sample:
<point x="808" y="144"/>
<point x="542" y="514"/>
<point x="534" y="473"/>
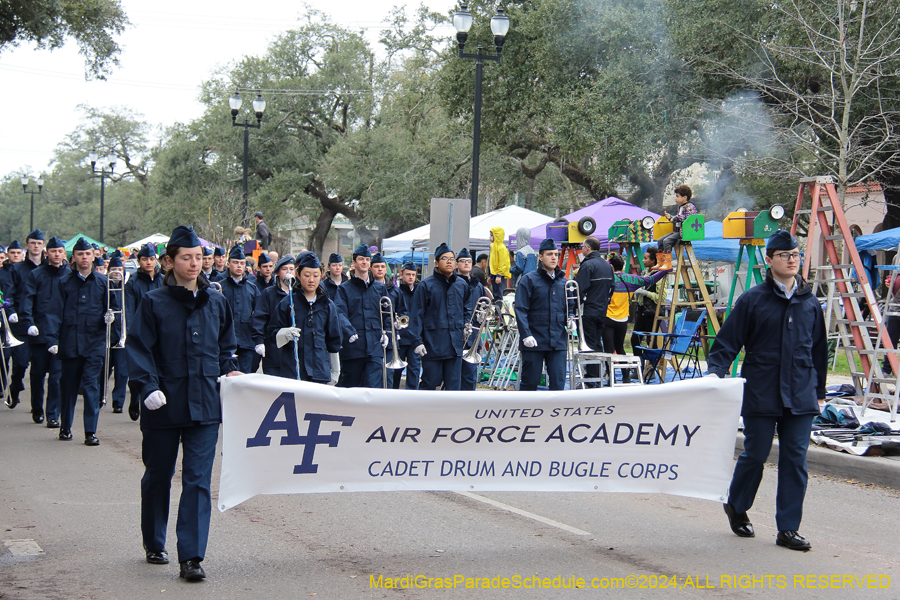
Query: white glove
<point x="260" y="349"/>
<point x="287" y="334"/>
<point x="335" y="367"/>
<point x="155" y="400"/>
<point x="53" y="349"/>
<point x="384" y="340"/>
<point x="13" y="318"/>
<point x="530" y="342"/>
<point x="33" y="331"/>
<point x="109" y="318"/>
<point x="420" y="350"/>
<point x="353" y="338"/>
<point x="641" y="292"/>
<point x="573" y="326"/>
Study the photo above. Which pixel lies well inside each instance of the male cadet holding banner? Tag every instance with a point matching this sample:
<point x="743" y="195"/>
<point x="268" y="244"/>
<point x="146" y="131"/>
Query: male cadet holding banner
<point x="263" y="312"/>
<point x="144" y="281"/>
<point x="316" y="329"/>
<point x="476" y="291"/>
<point x="541" y="316"/>
<point x="407" y="288"/>
<point x="207" y="262"/>
<point x="781" y="327"/>
<point x="436" y="319"/>
<point x="359" y="300"/>
<point x="34" y="257"/>
<point x="41" y="291"/>
<point x="183" y="342"/>
<point x="81" y="336"/>
<point x="241" y="296"/>
<point x="335" y="275"/>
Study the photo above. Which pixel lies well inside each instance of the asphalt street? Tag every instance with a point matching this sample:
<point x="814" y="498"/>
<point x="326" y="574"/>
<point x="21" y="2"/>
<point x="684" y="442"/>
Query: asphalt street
<point x="80" y="507"/>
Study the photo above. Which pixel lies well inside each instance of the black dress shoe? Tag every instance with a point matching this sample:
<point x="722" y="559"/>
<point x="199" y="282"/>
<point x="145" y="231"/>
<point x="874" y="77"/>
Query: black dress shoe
<point x="13" y="399"/>
<point x="65" y="435"/>
<point x="117" y="409"/>
<point x="157" y="557"/>
<point x="792" y="540"/>
<point x="740" y="522"/>
<point x="37" y="417"/>
<point x="52" y="423"/>
<point x="134" y="412"/>
<point x="192" y="571"/>
<point x="91" y="440"/>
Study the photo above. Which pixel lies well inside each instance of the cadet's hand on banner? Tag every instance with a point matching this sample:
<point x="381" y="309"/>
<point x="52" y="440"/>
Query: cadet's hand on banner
<point x="287" y="334"/>
<point x="530" y="342"/>
<point x="33" y="331"/>
<point x="384" y="340"/>
<point x="53" y="349"/>
<point x="260" y="349"/>
<point x="155" y="400"/>
<point x="420" y="350"/>
<point x="353" y="338"/>
<point x="13" y="318"/>
<point x="109" y="318"/>
<point x="335" y="367"/>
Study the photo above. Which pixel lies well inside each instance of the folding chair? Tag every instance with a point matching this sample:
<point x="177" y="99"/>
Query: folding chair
<point x="681" y="346"/>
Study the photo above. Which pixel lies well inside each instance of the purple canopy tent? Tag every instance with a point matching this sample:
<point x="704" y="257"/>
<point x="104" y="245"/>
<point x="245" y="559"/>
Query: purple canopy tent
<point x="605" y="213"/>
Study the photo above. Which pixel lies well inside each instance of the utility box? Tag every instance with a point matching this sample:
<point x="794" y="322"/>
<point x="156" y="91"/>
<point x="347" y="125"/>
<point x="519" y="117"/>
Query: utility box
<point x="449" y="223"/>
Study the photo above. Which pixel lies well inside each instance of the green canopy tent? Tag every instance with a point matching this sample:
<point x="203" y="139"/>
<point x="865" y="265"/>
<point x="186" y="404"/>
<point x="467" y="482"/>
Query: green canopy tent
<point x="71" y="243"/>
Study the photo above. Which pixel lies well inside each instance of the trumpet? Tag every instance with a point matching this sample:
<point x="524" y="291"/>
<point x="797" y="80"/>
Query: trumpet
<point x="402" y="322"/>
<point x="573" y="293"/>
<point x="480" y="315"/>
<point x="387" y="310"/>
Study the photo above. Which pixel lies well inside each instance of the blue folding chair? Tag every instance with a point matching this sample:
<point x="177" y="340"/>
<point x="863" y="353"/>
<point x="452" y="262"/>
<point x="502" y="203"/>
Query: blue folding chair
<point x="681" y="347"/>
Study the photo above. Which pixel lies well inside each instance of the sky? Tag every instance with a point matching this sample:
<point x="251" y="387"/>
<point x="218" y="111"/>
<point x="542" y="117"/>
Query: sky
<point x="169" y="49"/>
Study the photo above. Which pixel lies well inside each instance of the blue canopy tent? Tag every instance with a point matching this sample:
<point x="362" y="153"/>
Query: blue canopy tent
<point x="398" y="258"/>
<point x="883" y="240"/>
<point x="714" y="247"/>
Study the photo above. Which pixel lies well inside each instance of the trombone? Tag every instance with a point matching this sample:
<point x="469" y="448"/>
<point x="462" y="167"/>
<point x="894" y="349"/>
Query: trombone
<point x="7" y="341"/>
<point x="387" y="310"/>
<point x="480" y="315"/>
<point x="115" y="284"/>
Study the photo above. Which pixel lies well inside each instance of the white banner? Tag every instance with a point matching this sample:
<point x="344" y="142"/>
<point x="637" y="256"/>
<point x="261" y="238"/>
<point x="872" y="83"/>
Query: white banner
<point x="290" y="437"/>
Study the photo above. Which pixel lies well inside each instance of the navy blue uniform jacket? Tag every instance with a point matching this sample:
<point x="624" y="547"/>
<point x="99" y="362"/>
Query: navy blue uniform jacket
<point x="180" y="344"/>
<point x="786" y="358"/>
<point x="437" y="315"/>
<point x="41" y="293"/>
<point x="321" y="327"/>
<point x="263" y="312"/>
<point x="541" y="310"/>
<point x="138" y="286"/>
<point x="331" y="287"/>
<point x="18" y="274"/>
<point x="360" y="303"/>
<point x="82" y="331"/>
<point x="241" y="298"/>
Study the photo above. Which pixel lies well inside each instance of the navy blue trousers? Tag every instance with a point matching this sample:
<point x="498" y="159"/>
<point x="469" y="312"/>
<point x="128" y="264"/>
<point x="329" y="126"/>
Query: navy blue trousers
<point x="413" y="368"/>
<point x="118" y="371"/>
<point x="361" y="372"/>
<point x="82" y="372"/>
<point x="43" y="364"/>
<point x="793" y="441"/>
<point x="245" y="359"/>
<point x="533" y="366"/>
<point x="159" y="451"/>
<point x="21" y="354"/>
<point x="468" y="376"/>
<point x="441" y="371"/>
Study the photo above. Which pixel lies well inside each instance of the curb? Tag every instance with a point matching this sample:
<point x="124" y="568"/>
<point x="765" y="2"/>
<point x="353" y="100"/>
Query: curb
<point x="876" y="470"/>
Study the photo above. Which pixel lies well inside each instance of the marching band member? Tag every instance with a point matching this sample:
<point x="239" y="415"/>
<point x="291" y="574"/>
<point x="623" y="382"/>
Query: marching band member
<point x="407" y="288"/>
<point x="21" y="355"/>
<point x="241" y="296"/>
<point x="207" y="262"/>
<point x="7" y="297"/>
<point x="379" y="270"/>
<point x="541" y="316"/>
<point x="145" y="280"/>
<point x="436" y="319"/>
<point x="476" y="291"/>
<point x="80" y="333"/>
<point x="118" y="366"/>
<point x="335" y="275"/>
<point x="316" y="330"/>
<point x="265" y="267"/>
<point x="37" y="314"/>
<point x="263" y="312"/>
<point x="359" y="299"/>
<point x="183" y="341"/>
<point x="219" y="269"/>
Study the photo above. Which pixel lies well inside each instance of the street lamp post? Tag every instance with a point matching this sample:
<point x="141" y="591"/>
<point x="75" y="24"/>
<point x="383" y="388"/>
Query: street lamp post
<point x="107" y="161"/>
<point x="259" y="106"/>
<point x="40" y="183"/>
<point x="462" y="21"/>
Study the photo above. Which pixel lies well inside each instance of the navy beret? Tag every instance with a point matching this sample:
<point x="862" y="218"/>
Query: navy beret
<point x="105" y="257"/>
<point x="95" y="246"/>
<point x="55" y="242"/>
<point x="287" y="259"/>
<point x="782" y="240"/>
<point x="263" y="259"/>
<point x="183" y="236"/>
<point x="219" y="251"/>
<point x="237" y="252"/>
<point x="308" y="260"/>
<point x="99" y="262"/>
<point x="378" y="258"/>
<point x="37" y="234"/>
<point x="81" y="245"/>
<point x="335" y="258"/>
<point x="409" y="266"/>
<point x="464" y="253"/>
<point x="442" y="249"/>
<point x="118" y="253"/>
<point x="548" y="244"/>
<point x="15" y="246"/>
<point x="115" y="261"/>
<point x="207" y="251"/>
<point x="148" y="251"/>
<point x="361" y="250"/>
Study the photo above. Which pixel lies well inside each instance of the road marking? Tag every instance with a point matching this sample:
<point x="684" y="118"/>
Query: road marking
<point x="23" y="547"/>
<point x="525" y="513"/>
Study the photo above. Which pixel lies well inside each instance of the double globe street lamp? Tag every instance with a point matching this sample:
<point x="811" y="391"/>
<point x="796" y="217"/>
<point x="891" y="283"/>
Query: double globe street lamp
<point x="40" y="183"/>
<point x="462" y="21"/>
<point x="107" y="162"/>
<point x="259" y="106"/>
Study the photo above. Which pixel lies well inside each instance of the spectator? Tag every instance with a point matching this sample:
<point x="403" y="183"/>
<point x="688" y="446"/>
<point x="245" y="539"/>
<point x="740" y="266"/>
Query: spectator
<point x="262" y="232"/>
<point x="498" y="262"/>
<point x="525" y="259"/>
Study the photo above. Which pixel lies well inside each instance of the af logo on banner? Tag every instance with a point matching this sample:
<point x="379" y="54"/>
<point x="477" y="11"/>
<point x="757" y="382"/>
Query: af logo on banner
<point x="288" y="437"/>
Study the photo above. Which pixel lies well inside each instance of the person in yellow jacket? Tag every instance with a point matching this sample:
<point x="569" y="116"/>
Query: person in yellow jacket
<point x="498" y="263"/>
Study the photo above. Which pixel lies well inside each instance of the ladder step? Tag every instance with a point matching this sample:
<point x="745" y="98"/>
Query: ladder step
<point x="853" y="294"/>
<point x="858" y="374"/>
<point x="833" y="237"/>
<point x="856" y="323"/>
<point x="884" y="380"/>
<point x="825" y="208"/>
<point x="882" y="396"/>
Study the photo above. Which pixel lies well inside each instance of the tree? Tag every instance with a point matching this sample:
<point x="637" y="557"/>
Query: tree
<point x="49" y="23"/>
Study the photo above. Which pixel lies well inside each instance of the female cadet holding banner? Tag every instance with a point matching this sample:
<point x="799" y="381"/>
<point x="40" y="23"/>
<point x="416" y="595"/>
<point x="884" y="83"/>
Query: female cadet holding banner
<point x="183" y="340"/>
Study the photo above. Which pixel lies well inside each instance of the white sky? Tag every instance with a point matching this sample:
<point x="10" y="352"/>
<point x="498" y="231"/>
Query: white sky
<point x="170" y="48"/>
